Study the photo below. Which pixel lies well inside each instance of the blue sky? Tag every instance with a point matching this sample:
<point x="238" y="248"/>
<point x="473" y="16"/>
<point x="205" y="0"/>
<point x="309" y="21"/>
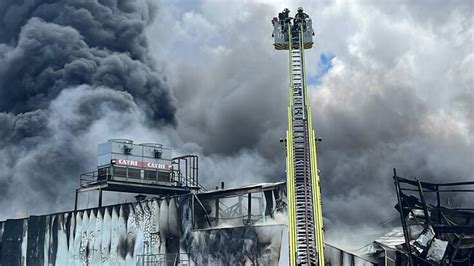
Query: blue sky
<point x="322" y="67"/>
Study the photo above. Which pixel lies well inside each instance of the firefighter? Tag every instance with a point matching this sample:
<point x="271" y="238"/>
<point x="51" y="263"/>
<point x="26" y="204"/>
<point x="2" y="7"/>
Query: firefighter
<point x="300" y="19"/>
<point x="285" y="13"/>
<point x="284" y="19"/>
<point x="301" y="16"/>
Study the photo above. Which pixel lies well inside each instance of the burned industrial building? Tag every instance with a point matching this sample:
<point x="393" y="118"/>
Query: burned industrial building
<point x="180" y="222"/>
<point x="174" y="219"/>
<point x="157" y="231"/>
<point x="437" y="221"/>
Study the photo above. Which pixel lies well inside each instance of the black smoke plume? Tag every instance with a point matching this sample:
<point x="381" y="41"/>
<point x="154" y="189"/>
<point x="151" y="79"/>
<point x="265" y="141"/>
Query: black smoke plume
<point x="70" y="71"/>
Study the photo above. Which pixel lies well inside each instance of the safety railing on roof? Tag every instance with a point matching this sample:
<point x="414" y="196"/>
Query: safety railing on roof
<point x="184" y="173"/>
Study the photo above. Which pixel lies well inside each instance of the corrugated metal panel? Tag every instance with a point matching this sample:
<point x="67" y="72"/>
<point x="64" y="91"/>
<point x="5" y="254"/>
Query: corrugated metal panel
<point x="1" y="240"/>
<point x="107" y="236"/>
<point x="338" y="257"/>
<point x="36" y="239"/>
<point x="120" y="234"/>
<point x="15" y="232"/>
<point x="246" y="245"/>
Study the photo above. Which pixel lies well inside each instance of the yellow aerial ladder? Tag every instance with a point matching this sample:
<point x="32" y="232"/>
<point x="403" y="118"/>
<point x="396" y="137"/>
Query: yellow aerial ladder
<point x="305" y="220"/>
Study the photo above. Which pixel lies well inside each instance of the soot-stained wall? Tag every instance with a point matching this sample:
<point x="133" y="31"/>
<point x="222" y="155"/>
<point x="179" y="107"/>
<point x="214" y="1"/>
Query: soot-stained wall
<point x="246" y="245"/>
<point x="122" y="234"/>
<point x="102" y="236"/>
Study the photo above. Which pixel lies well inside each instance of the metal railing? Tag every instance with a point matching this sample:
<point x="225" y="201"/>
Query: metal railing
<point x="184" y="173"/>
<point x="185" y="170"/>
<point x="128" y="174"/>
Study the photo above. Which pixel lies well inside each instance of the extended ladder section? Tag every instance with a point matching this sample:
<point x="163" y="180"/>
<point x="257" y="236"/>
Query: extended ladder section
<point x="304" y="200"/>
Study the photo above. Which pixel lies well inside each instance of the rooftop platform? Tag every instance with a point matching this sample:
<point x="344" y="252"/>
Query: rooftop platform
<point x="158" y="188"/>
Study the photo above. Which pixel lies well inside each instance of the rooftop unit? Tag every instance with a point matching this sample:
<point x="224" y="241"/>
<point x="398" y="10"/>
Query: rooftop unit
<point x="122" y="160"/>
<point x="146" y="168"/>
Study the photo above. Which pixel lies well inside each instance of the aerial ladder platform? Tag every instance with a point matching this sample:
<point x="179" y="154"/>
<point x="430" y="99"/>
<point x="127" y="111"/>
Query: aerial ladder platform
<point x="305" y="221"/>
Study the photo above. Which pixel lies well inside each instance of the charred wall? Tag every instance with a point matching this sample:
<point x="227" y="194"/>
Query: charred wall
<point x="133" y="234"/>
<point x="246" y="245"/>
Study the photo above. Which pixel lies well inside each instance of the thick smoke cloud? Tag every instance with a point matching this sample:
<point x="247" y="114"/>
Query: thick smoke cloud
<point x="398" y="92"/>
<point x="73" y="42"/>
<point x="72" y="74"/>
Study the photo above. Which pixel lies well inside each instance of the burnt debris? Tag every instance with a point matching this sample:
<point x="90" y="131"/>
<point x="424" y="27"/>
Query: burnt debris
<point x="437" y="227"/>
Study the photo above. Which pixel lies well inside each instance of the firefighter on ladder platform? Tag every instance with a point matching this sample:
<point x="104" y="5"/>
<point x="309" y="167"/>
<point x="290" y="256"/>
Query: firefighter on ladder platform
<point x="305" y="222"/>
<point x="300" y="20"/>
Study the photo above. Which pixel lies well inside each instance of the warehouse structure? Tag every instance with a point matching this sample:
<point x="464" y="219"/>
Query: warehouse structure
<point x="180" y="224"/>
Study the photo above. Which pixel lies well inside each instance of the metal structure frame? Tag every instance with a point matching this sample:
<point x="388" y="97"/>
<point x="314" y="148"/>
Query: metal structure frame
<point x="306" y="240"/>
<point x="452" y="224"/>
<point x="241" y="206"/>
<point x="185" y="170"/>
<point x="183" y="179"/>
